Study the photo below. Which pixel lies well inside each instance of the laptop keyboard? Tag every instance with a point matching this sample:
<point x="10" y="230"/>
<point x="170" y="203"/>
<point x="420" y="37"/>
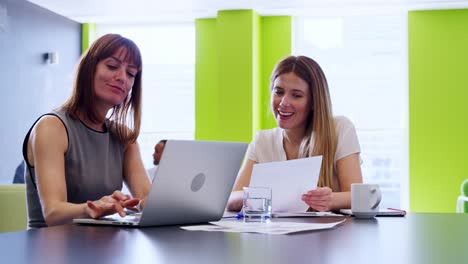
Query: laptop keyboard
<point x="133" y="218"/>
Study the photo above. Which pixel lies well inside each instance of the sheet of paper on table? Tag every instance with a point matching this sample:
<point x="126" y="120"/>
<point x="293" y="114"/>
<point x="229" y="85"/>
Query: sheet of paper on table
<point x="288" y="181"/>
<point x="239" y="215"/>
<point x="273" y="228"/>
<point x="306" y="214"/>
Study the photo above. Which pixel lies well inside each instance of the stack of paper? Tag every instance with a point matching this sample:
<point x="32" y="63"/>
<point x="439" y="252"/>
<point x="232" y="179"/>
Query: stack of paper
<point x="288" y="180"/>
<point x="273" y="228"/>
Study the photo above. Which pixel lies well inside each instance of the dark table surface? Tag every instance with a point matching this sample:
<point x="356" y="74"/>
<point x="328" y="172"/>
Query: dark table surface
<point x="416" y="238"/>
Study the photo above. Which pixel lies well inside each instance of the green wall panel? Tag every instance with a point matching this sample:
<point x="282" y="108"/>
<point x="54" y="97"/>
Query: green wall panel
<point x="235" y="53"/>
<point x="206" y="80"/>
<point x="236" y="64"/>
<point x="88" y="35"/>
<point x="276" y="41"/>
<point x="257" y="78"/>
<point x="438" y="108"/>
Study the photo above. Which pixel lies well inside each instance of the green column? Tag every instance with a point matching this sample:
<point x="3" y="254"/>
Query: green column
<point x="88" y="35"/>
<point x="438" y="109"/>
<point x="276" y="43"/>
<point x="206" y="80"/>
<point x="235" y="35"/>
<point x="234" y="51"/>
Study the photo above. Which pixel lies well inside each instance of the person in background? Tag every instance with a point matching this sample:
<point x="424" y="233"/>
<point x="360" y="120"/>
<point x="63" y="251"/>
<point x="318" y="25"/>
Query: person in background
<point x="19" y="174"/>
<point x="79" y="155"/>
<point x="300" y="102"/>
<point x="158" y="150"/>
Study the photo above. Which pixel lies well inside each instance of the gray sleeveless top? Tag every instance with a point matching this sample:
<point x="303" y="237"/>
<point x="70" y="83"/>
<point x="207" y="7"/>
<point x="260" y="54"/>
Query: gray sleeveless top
<point x="93" y="166"/>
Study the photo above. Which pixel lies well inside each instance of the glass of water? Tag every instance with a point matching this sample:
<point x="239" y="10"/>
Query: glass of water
<point x="256" y="204"/>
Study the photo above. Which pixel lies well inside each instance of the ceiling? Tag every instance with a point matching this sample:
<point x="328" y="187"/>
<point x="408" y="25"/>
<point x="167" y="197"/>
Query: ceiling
<point x="136" y="11"/>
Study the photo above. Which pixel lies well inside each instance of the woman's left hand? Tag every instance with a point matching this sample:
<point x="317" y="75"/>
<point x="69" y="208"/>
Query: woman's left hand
<point x="319" y="199"/>
<point x="111" y="204"/>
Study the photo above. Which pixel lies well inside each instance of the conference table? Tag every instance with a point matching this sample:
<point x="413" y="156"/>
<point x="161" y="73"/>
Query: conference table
<point x="415" y="238"/>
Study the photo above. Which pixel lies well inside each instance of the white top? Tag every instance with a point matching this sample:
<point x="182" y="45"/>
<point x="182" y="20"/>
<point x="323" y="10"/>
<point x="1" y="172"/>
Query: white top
<point x="267" y="145"/>
<point x="152" y="172"/>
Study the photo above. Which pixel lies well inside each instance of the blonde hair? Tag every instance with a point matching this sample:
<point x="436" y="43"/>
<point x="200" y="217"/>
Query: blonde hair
<point x="83" y="96"/>
<point x="320" y="125"/>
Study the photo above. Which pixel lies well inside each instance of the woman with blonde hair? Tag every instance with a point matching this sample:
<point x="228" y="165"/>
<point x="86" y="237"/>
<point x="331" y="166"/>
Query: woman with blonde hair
<point x="300" y="102"/>
<point x="79" y="155"/>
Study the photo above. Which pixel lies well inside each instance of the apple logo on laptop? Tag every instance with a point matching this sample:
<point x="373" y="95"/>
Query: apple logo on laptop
<point x="198" y="182"/>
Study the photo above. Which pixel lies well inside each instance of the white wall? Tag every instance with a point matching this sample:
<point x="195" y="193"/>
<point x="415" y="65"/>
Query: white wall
<point x="29" y="87"/>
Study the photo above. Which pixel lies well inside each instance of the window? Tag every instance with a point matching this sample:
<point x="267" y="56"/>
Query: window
<point x="168" y="52"/>
<point x="364" y="58"/>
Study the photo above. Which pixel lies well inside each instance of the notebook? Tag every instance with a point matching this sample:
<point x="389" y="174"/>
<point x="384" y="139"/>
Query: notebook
<point x="382" y="212"/>
<point x="192" y="185"/>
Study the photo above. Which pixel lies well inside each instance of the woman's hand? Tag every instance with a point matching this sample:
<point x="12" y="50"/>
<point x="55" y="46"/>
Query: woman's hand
<point x="111" y="204"/>
<point x="319" y="199"/>
<point x="235" y="201"/>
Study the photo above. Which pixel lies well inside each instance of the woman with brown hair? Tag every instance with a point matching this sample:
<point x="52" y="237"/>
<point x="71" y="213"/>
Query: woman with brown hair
<point x="79" y="155"/>
<point x="300" y="102"/>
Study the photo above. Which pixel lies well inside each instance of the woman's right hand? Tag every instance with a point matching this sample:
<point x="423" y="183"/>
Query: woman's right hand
<point x="111" y="204"/>
<point x="235" y="201"/>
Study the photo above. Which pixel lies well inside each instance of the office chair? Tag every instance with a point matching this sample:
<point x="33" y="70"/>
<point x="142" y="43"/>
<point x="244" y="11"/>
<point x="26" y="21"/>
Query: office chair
<point x="462" y="202"/>
<point x="13" y="208"/>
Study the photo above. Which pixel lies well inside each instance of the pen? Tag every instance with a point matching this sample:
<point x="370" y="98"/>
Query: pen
<point x="237" y="216"/>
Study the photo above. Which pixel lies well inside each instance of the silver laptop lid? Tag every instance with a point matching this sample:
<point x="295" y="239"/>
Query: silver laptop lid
<point x="193" y="182"/>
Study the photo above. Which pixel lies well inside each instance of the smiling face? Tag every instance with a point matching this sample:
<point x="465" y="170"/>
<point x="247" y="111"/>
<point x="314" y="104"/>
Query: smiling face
<point x="114" y="78"/>
<point x="290" y="101"/>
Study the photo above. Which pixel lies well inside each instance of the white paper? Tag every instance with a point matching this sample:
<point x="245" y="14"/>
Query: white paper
<point x="238" y="215"/>
<point x="306" y="214"/>
<point x="273" y="228"/>
<point x="289" y="180"/>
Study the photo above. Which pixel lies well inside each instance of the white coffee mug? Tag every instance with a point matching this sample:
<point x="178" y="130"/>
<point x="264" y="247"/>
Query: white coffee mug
<point x="365" y="199"/>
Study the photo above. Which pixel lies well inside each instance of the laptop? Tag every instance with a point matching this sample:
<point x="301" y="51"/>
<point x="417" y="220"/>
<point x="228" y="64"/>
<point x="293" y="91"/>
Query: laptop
<point x="192" y="185"/>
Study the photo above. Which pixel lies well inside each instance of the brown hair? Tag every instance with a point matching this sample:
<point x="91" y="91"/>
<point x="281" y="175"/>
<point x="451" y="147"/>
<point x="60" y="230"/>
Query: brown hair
<point x="83" y="96"/>
<point x="320" y="125"/>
